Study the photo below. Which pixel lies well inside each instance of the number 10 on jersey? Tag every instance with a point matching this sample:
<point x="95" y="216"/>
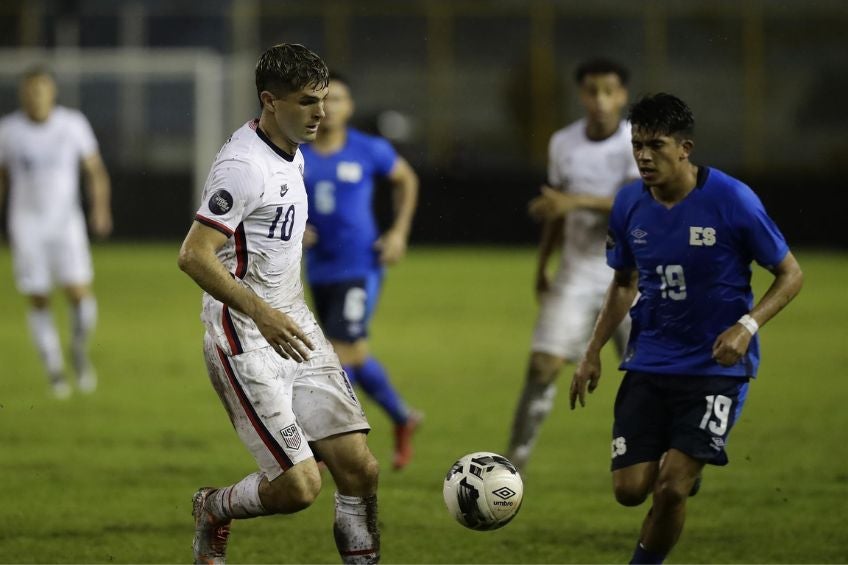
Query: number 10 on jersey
<point x="287" y="226"/>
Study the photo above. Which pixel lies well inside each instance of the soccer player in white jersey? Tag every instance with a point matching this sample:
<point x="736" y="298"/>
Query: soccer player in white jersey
<point x="275" y="372"/>
<point x="42" y="146"/>
<point x="588" y="161"/>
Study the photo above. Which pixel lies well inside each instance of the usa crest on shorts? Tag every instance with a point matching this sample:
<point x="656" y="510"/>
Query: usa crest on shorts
<point x="291" y="437"/>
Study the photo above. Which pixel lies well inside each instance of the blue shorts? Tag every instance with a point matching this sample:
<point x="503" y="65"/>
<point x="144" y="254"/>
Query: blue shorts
<point x="655" y="413"/>
<point x="344" y="308"/>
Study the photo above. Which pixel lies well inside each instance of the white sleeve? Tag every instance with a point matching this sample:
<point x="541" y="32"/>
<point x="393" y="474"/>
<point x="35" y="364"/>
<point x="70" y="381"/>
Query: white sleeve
<point x="4" y="152"/>
<point x="233" y="190"/>
<point x="84" y="135"/>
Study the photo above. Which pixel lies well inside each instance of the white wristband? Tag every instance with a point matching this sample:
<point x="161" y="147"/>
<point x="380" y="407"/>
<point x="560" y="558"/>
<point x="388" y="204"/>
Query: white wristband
<point x="749" y="323"/>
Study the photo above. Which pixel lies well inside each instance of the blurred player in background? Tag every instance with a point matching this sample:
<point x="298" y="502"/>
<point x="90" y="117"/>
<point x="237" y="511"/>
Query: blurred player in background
<point x="684" y="237"/>
<point x="275" y="372"/>
<point x="347" y="254"/>
<point x="42" y="146"/>
<point x="588" y="162"/>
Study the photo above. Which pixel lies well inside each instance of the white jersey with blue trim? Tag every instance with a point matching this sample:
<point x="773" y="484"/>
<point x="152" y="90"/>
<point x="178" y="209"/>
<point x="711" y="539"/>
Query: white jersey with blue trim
<point x="255" y="195"/>
<point x="579" y="165"/>
<point x="42" y="160"/>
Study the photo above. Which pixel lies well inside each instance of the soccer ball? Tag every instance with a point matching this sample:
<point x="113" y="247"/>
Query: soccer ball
<point x="483" y="491"/>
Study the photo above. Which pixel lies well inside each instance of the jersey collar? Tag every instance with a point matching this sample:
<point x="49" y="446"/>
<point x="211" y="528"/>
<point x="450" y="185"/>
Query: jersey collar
<point x="271" y="144"/>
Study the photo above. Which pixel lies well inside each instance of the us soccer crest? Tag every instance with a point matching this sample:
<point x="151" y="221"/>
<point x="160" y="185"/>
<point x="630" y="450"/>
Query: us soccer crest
<point x="291" y="437"/>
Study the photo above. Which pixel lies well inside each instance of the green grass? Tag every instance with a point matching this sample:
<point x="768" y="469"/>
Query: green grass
<point x="108" y="478"/>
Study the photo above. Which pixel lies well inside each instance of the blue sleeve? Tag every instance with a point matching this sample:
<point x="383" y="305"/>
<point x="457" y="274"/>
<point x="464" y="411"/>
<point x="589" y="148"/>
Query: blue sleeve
<point x="619" y="254"/>
<point x="759" y="232"/>
<point x="384" y="156"/>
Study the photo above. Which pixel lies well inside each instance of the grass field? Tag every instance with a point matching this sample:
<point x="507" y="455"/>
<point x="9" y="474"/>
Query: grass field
<point x="108" y="478"/>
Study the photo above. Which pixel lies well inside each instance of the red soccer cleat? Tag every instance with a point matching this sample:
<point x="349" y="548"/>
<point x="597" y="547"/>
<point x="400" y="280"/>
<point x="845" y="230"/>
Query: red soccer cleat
<point x="403" y="439"/>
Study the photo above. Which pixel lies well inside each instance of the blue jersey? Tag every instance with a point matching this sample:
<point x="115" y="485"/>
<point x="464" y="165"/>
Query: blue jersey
<point x="340" y="188"/>
<point x="694" y="264"/>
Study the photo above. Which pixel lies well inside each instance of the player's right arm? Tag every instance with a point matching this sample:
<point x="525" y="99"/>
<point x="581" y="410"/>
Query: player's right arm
<point x="619" y="298"/>
<point x="556" y="204"/>
<point x="198" y="259"/>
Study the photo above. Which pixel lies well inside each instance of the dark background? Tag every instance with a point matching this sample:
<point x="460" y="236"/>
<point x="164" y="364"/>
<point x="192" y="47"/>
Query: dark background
<point x="480" y="86"/>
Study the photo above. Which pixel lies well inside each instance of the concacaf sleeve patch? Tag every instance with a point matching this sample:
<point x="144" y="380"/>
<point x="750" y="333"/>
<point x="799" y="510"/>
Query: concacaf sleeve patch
<point x="221" y="202"/>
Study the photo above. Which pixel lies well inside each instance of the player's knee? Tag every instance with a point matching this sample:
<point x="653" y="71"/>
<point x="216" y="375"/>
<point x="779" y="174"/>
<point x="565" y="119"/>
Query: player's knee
<point x="670" y="492"/>
<point x="304" y="494"/>
<point x="293" y="493"/>
<point x="629" y="495"/>
<point x="629" y="492"/>
<point x="76" y="293"/>
<point x="39" y="301"/>
<point x="543" y="369"/>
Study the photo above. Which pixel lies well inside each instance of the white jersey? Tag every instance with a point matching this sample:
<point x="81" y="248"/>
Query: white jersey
<point x="578" y="165"/>
<point x="255" y="195"/>
<point x="42" y="159"/>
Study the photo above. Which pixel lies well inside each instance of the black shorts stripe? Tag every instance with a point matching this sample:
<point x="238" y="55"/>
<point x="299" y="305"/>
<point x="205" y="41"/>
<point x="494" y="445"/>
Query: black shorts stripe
<point x="230" y="331"/>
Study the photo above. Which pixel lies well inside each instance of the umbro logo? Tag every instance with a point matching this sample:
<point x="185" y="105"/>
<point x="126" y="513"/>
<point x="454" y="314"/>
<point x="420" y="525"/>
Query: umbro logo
<point x="504" y="493"/>
<point x="639" y="234"/>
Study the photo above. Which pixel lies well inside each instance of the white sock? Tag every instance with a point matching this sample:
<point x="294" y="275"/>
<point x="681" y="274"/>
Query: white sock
<point x="46" y="339"/>
<point x="240" y="500"/>
<point x="355" y="529"/>
<point x="83" y="320"/>
<point x="536" y="402"/>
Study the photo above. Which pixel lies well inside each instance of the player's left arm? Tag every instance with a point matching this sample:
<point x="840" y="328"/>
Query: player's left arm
<point x="392" y="244"/>
<point x="99" y="191"/>
<point x="733" y="343"/>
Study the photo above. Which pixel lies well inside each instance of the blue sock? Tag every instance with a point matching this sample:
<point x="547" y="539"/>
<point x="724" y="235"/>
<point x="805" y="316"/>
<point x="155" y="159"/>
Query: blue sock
<point x="374" y="380"/>
<point x="350" y="371"/>
<point x="642" y="555"/>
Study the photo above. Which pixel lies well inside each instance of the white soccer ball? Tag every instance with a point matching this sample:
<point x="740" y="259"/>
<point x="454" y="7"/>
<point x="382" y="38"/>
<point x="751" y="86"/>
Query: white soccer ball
<point x="483" y="491"/>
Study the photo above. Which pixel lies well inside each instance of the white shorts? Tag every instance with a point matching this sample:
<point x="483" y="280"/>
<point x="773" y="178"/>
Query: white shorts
<point x="566" y="318"/>
<point x="278" y="406"/>
<point x="45" y="257"/>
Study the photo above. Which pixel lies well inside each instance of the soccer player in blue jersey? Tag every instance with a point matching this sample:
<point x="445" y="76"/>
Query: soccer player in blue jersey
<point x="347" y="254"/>
<point x="684" y="237"/>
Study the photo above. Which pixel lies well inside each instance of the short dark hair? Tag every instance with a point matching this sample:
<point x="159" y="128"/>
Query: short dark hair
<point x="289" y="67"/>
<point x="664" y="114"/>
<point x="37" y="71"/>
<point x="601" y="66"/>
